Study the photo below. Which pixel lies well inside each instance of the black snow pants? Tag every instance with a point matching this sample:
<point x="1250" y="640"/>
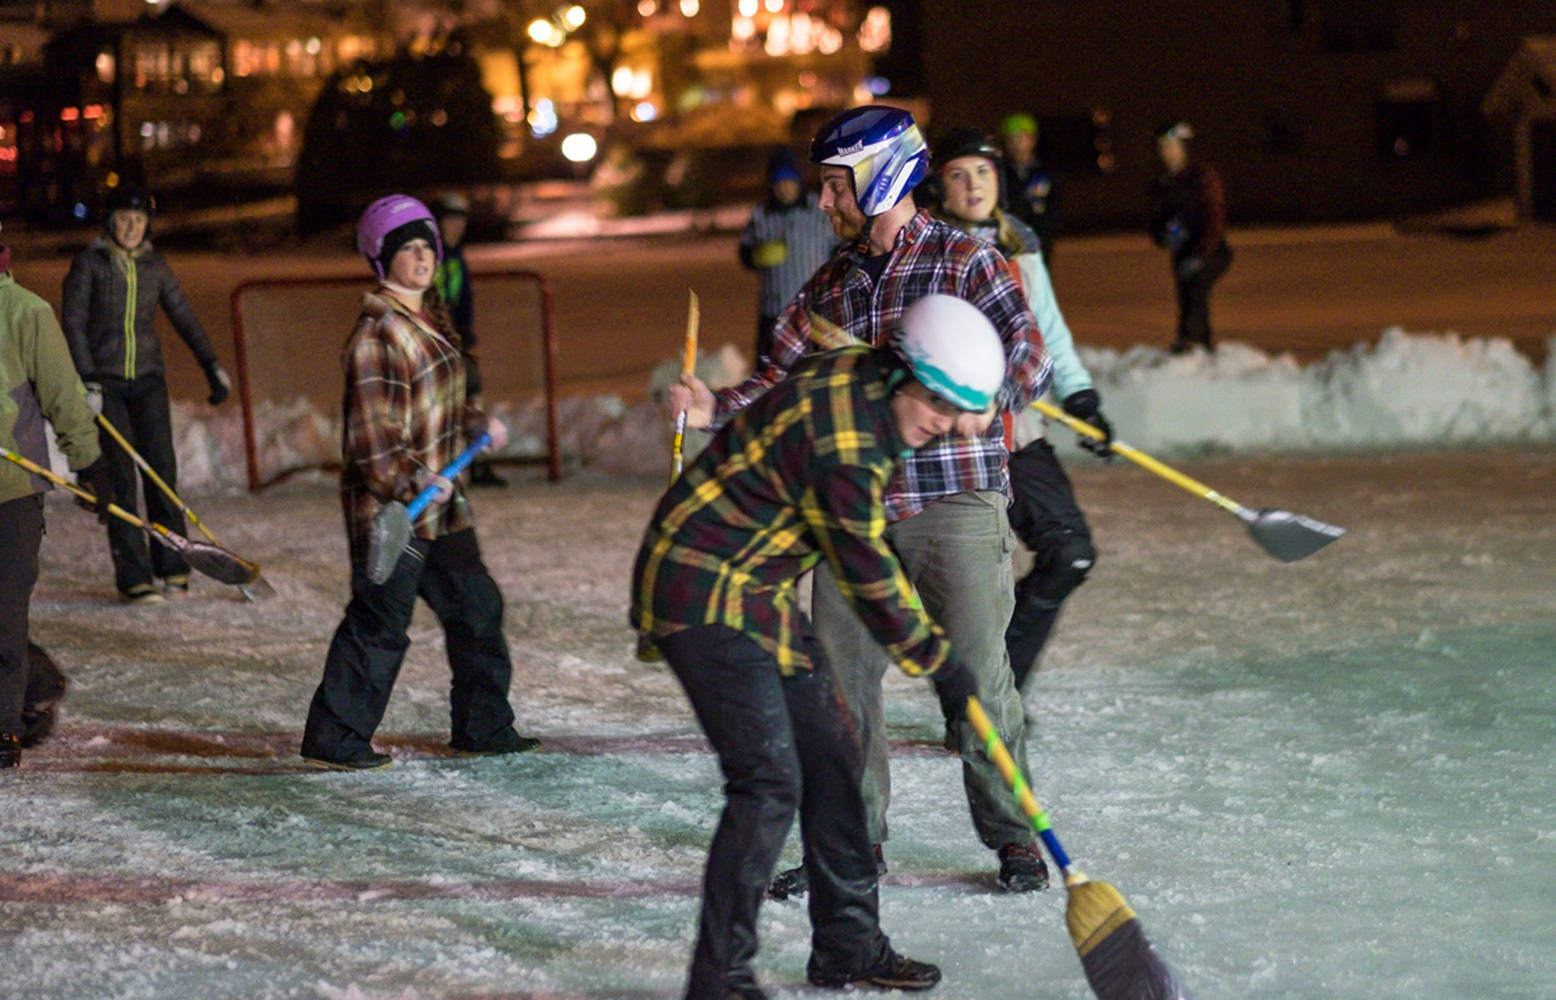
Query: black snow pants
<point x="1194" y="298"/>
<point x="1045" y="516"/>
<point x="139" y="410"/>
<point x="783" y="743"/>
<point x="21" y="535"/>
<point x="370" y="643"/>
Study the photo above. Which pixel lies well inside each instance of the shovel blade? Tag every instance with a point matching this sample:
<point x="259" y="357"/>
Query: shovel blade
<point x="219" y="564"/>
<point x="1289" y="537"/>
<point x="386" y="541"/>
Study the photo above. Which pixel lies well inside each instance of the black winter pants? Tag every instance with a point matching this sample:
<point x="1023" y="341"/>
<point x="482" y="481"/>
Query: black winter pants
<point x="21" y="535"/>
<point x="1194" y="298"/>
<point x="370" y="643"/>
<point x="1045" y="516"/>
<point x="139" y="410"/>
<point x="783" y="743"/>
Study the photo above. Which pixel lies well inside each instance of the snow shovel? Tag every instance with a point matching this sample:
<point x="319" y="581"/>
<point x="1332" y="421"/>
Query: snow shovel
<point x="391" y="529"/>
<point x="260" y="587"/>
<point x="1119" y="961"/>
<point x="647" y="652"/>
<point x="1284" y="535"/>
<point x="203" y="557"/>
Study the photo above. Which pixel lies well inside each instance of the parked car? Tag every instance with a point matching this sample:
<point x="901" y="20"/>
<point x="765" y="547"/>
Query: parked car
<point x="403" y="124"/>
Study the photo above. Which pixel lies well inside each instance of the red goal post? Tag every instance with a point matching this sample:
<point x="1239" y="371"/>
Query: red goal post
<point x="289" y="333"/>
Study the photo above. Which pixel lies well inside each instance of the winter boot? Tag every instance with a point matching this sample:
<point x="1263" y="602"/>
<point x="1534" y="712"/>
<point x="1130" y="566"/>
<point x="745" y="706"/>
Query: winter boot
<point x="794" y="881"/>
<point x="10" y="751"/>
<point x="892" y="972"/>
<point x="1022" y="868"/>
<point x="363" y="758"/>
<point x="507" y="741"/>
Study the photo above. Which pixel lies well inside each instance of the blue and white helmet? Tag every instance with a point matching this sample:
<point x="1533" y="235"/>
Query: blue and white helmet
<point x="953" y="349"/>
<point x="884" y="149"/>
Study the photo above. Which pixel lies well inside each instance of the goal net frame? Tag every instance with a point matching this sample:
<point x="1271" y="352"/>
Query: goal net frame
<point x="252" y="330"/>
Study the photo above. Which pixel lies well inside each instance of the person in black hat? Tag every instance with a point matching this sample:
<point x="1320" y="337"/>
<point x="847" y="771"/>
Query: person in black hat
<point x="1188" y="218"/>
<point x="111" y="296"/>
<point x="451" y="210"/>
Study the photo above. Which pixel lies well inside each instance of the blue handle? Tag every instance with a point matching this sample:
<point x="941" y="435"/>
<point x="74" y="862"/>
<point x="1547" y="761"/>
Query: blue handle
<point x="454" y="468"/>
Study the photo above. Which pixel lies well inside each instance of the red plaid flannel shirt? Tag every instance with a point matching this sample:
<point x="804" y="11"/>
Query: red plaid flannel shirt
<point x="841" y="305"/>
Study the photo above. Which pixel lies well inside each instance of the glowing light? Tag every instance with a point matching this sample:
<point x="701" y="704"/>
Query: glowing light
<point x="647" y="8"/>
<point x="689" y="8"/>
<point x="542" y="118"/>
<point x="580" y="147"/>
<point x="748" y="8"/>
<point x="644" y="111"/>
<point x="540" y="31"/>
<point x="742" y="29"/>
<point x="875" y="32"/>
<point x="574" y="17"/>
<point x="69" y="114"/>
<point x="774" y="6"/>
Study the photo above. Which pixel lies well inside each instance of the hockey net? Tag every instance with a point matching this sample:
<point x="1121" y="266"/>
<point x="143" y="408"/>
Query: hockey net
<point x="289" y="334"/>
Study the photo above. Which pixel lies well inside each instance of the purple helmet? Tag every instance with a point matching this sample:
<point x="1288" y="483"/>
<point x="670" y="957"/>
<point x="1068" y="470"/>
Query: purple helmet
<point x="383" y="217"/>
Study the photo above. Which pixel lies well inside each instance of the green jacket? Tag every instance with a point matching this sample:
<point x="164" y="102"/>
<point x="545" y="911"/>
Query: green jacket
<point x="37" y="381"/>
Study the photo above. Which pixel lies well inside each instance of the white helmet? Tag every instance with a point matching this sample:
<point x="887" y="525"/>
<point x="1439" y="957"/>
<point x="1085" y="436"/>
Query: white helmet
<point x="953" y="349"/>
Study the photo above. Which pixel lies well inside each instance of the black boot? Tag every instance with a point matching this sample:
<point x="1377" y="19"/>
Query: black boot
<point x="892" y="972"/>
<point x="10" y="750"/>
<point x="794" y="881"/>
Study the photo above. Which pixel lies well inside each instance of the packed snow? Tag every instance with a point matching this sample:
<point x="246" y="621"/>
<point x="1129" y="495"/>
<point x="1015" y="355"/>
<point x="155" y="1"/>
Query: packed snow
<point x="1409" y="390"/>
<point x="1316" y="780"/>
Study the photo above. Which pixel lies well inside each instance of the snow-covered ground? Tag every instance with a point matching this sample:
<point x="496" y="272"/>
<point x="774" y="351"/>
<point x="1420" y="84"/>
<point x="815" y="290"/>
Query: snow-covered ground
<point x="1317" y="780"/>
<point x="1409" y="390"/>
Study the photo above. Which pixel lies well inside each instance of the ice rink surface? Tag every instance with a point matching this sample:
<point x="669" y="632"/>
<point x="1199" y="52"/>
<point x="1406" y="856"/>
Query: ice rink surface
<point x="1319" y="780"/>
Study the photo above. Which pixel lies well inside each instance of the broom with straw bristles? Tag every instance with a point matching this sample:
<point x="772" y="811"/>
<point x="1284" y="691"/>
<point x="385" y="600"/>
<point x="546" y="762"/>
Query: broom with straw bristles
<point x="1119" y="961"/>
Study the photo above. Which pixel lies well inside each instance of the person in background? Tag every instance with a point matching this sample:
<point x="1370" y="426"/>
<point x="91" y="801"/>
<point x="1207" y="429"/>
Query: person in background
<point x="796" y="479"/>
<point x="37" y="382"/>
<point x="1188" y="218"/>
<point x="1029" y="187"/>
<point x="786" y="239"/>
<point x="452" y="212"/>
<point x="1043" y="510"/>
<point x="111" y="296"/>
<point x="407" y="415"/>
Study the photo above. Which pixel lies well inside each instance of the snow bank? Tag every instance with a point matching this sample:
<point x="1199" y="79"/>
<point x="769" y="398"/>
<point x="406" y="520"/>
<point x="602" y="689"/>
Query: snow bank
<point x="1406" y="391"/>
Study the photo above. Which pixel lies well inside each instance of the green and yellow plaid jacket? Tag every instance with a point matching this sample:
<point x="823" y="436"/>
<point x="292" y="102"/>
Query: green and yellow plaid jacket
<point x="796" y="477"/>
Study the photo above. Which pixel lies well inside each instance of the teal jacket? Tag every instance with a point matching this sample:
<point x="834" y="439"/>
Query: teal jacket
<point x="37" y="382"/>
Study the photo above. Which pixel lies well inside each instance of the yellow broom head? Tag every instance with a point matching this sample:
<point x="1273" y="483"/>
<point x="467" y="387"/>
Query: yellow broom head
<point x="1095" y="910"/>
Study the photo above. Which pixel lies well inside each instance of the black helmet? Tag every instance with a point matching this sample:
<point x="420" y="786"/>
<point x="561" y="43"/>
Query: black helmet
<point x="128" y="197"/>
<point x="966" y="142"/>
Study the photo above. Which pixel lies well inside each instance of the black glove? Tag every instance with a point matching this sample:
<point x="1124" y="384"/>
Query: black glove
<point x="95" y="479"/>
<point x="220" y="384"/>
<point x="954" y="684"/>
<point x="1087" y="405"/>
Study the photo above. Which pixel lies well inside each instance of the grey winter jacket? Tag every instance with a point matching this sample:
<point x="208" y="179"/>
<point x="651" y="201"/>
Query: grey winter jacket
<point x="110" y="300"/>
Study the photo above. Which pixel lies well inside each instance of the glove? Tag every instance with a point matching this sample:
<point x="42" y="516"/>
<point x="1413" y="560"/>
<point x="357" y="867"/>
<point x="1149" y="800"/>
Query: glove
<point x="94" y="397"/>
<point x="1087" y="405"/>
<point x="220" y="384"/>
<point x="770" y="254"/>
<point x="95" y="479"/>
<point x="954" y="684"/>
<point x="1187" y="267"/>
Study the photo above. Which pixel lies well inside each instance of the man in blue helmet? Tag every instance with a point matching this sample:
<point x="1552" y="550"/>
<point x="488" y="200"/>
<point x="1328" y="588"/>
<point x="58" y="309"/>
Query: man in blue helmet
<point x="947" y="503"/>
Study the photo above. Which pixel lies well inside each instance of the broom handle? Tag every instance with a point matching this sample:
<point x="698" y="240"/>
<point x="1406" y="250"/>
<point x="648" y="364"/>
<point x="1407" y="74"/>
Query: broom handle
<point x="688" y="367"/>
<point x="454" y="468"/>
<point x="150" y="473"/>
<point x="1141" y="459"/>
<point x="1018" y="784"/>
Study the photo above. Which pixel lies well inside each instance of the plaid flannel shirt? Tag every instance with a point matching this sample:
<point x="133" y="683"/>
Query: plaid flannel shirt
<point x="796" y="477"/>
<point x="841" y="305"/>
<point x="405" y="416"/>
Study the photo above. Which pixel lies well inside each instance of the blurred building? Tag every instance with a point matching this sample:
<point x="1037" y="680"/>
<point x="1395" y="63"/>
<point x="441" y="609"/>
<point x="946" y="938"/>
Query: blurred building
<point x="1310" y="108"/>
